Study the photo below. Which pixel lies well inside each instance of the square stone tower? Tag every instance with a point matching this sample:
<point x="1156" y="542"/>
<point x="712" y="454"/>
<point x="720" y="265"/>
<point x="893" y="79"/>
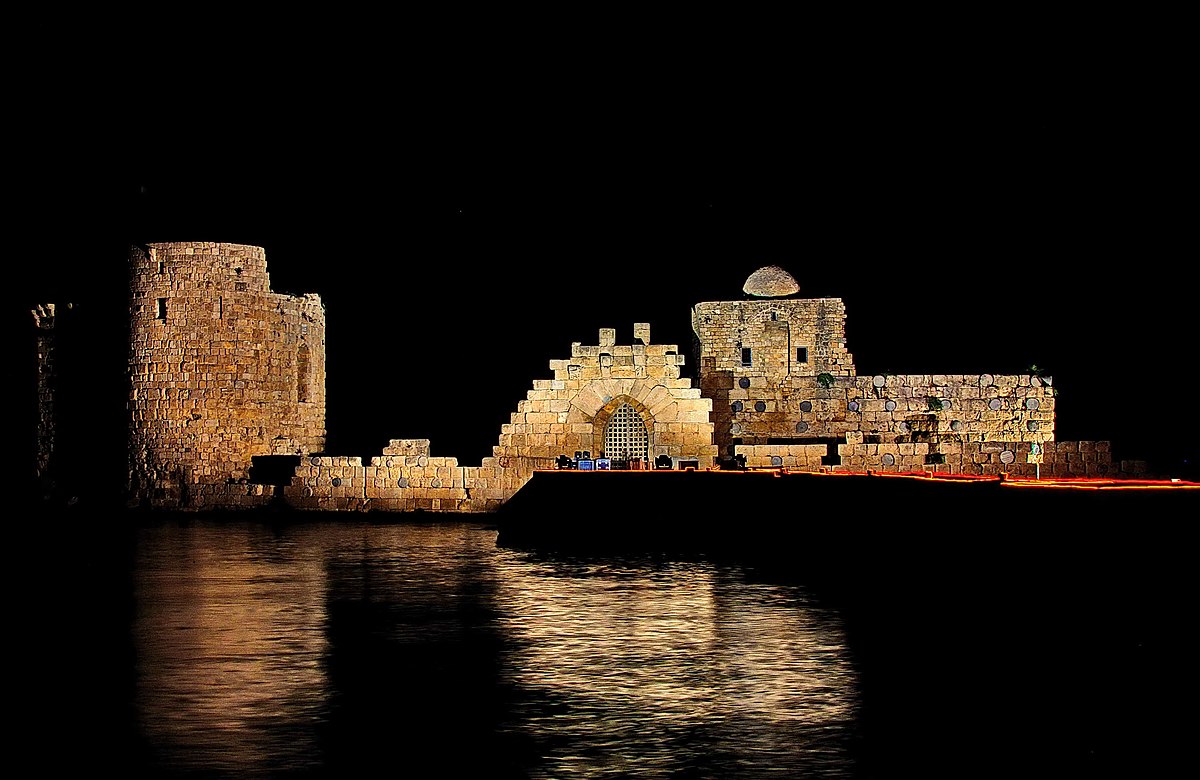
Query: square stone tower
<point x="750" y="352"/>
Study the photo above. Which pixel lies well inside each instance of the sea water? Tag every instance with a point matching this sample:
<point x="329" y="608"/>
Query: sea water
<point x="221" y="647"/>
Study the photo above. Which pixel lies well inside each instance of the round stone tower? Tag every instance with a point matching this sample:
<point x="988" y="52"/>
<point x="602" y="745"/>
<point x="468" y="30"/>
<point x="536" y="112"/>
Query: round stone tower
<point x="221" y="369"/>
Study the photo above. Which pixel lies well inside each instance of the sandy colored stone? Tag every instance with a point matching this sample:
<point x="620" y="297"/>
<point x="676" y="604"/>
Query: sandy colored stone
<point x="770" y="282"/>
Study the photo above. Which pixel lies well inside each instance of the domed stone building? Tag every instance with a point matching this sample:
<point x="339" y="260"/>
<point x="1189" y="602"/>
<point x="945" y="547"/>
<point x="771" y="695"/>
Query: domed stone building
<point x="785" y="393"/>
<point x="227" y="378"/>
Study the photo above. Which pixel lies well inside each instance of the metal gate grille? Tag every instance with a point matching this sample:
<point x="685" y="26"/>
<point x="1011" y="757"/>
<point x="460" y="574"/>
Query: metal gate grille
<point x="625" y="438"/>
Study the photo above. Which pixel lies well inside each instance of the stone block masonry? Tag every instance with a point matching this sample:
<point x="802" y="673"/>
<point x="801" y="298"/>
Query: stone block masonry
<point x="636" y="387"/>
<point x="220" y="370"/>
<point x="892" y="409"/>
<point x="778" y="370"/>
<point x="751" y="353"/>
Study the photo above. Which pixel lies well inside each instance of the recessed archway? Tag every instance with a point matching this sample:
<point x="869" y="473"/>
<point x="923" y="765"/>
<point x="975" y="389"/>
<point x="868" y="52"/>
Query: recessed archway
<point x="625" y="423"/>
<point x="625" y="436"/>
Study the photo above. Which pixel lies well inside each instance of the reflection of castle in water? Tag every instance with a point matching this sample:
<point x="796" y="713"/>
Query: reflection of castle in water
<point x="228" y="634"/>
<point x="318" y="648"/>
<point x="641" y="652"/>
<point x="226" y="401"/>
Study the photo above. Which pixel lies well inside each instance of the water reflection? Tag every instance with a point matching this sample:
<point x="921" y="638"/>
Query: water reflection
<point x="656" y="669"/>
<point x="230" y="647"/>
<point x="350" y="648"/>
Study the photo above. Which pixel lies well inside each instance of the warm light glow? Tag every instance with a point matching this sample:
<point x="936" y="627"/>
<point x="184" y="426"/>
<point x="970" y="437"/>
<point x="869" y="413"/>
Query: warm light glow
<point x="627" y="642"/>
<point x="229" y="637"/>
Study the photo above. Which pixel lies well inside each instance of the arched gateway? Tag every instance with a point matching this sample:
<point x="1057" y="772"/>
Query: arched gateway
<point x="625" y="436"/>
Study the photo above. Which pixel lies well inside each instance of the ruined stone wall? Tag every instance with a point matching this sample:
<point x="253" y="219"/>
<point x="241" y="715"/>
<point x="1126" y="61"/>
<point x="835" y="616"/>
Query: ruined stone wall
<point x="220" y="368"/>
<point x="398" y="483"/>
<point x="788" y="340"/>
<point x="773" y="330"/>
<point x="933" y="408"/>
<point x="773" y="393"/>
<point x="414" y="482"/>
<point x="569" y="413"/>
<point x="559" y="416"/>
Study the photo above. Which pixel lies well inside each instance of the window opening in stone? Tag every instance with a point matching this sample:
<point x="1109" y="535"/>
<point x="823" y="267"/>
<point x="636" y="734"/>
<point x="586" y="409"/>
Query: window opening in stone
<point x="162" y="309"/>
<point x="745" y="356"/>
<point x="302" y="369"/>
<point x="801" y="354"/>
<point x="626" y="437"/>
<point x="162" y="266"/>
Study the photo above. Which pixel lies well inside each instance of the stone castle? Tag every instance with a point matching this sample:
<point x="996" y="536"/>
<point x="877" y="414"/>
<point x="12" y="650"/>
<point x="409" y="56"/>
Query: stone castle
<point x="226" y="384"/>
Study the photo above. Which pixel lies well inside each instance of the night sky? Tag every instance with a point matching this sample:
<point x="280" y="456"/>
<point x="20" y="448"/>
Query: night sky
<point x="462" y="237"/>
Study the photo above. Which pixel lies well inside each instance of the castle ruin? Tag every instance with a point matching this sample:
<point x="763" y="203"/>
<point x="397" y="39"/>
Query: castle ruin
<point x="227" y="378"/>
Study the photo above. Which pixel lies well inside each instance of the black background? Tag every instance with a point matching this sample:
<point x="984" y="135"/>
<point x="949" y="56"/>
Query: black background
<point x="465" y="219"/>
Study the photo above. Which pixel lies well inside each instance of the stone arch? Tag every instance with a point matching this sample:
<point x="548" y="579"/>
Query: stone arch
<point x="605" y="413"/>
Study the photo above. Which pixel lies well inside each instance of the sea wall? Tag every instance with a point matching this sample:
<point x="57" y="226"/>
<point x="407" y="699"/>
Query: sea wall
<point x="1019" y="458"/>
<point x="400" y="483"/>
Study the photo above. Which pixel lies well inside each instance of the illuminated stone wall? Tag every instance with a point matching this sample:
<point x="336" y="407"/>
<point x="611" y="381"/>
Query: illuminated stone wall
<point x="1059" y="459"/>
<point x="765" y="352"/>
<point x="559" y="416"/>
<point x="220" y="369"/>
<point x="910" y="408"/>
<point x="795" y="457"/>
<point x="567" y="414"/>
<point x="401" y="483"/>
<point x="778" y="371"/>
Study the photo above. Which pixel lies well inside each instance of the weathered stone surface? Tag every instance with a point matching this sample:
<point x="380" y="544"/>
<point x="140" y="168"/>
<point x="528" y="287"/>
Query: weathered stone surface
<point x="221" y="369"/>
<point x="770" y="282"/>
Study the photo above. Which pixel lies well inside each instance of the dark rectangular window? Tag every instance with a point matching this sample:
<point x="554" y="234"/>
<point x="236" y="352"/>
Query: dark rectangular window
<point x="801" y="354"/>
<point x="745" y="356"/>
<point x="162" y="309"/>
